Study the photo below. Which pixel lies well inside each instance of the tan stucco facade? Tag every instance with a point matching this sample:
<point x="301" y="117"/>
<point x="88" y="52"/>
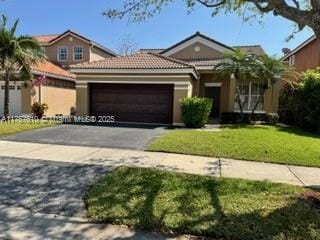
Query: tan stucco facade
<point x="90" y="53"/>
<point x="59" y="100"/>
<point x="182" y="88"/>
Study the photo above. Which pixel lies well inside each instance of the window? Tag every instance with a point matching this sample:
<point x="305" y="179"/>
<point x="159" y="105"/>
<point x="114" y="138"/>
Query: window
<point x="43" y="50"/>
<point x="62" y="54"/>
<point x="292" y="60"/>
<point x="78" y="53"/>
<point x="250" y="94"/>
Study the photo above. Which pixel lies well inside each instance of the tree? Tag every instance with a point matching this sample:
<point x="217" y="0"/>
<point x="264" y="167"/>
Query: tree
<point x="304" y="13"/>
<point x="243" y="67"/>
<point x="127" y="46"/>
<point x="17" y="54"/>
<point x="271" y="70"/>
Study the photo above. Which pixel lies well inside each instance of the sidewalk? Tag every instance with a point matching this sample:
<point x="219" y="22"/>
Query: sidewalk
<point x="302" y="176"/>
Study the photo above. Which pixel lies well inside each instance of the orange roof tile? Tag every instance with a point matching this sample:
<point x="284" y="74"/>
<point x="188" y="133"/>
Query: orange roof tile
<point x="46" y="67"/>
<point x="135" y="61"/>
<point x="43" y="39"/>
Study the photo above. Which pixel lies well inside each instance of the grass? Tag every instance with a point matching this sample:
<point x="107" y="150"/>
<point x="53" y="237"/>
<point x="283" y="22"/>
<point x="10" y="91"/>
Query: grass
<point x="7" y="128"/>
<point x="188" y="204"/>
<point x="257" y="143"/>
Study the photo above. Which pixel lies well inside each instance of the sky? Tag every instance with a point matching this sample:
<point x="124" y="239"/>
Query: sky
<point x="172" y="25"/>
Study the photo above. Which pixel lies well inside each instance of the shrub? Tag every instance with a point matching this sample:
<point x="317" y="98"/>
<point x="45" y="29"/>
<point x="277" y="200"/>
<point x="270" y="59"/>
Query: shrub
<point x="273" y="118"/>
<point x="39" y="109"/>
<point x="235" y="117"/>
<point x="195" y="111"/>
<point x="311" y="100"/>
<point x="73" y="111"/>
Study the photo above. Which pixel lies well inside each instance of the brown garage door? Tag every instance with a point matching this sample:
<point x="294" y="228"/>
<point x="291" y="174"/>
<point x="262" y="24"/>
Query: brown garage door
<point x="147" y="103"/>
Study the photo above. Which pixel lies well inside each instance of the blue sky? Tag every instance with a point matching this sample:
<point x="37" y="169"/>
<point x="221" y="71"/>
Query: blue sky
<point x="171" y="26"/>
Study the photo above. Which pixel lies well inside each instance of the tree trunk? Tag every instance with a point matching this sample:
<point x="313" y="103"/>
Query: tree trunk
<point x="254" y="108"/>
<point x="238" y="98"/>
<point x="6" y="94"/>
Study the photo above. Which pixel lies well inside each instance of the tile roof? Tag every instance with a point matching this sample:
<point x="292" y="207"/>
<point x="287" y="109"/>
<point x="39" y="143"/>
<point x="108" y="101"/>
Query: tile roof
<point x="251" y="49"/>
<point x="135" y="61"/>
<point x="46" y="67"/>
<point x="44" y="39"/>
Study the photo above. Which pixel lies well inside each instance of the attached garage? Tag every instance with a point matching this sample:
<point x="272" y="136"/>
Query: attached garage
<point x="140" y="88"/>
<point x="148" y="103"/>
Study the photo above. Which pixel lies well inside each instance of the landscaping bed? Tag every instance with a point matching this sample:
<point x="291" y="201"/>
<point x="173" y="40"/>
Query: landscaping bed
<point x="221" y="208"/>
<point x="12" y="127"/>
<point x="246" y="142"/>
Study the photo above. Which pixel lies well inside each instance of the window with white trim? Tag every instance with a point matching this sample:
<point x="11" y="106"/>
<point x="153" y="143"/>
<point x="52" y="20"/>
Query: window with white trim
<point x="78" y="53"/>
<point x="250" y="93"/>
<point x="62" y="55"/>
<point x="292" y="60"/>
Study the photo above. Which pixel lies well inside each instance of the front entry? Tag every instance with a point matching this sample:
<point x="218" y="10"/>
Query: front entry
<point x="214" y="93"/>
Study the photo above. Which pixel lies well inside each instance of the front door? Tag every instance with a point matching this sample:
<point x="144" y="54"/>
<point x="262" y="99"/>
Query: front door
<point x="214" y="93"/>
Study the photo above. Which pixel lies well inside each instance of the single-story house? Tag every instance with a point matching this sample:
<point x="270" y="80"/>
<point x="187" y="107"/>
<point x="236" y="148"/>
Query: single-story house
<point x="147" y="86"/>
<point x="50" y="84"/>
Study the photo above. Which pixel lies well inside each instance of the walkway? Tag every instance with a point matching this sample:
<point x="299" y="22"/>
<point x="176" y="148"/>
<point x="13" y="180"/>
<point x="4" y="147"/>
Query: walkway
<point x="302" y="176"/>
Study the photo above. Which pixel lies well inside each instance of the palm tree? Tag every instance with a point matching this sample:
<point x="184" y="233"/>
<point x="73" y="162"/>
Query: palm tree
<point x="242" y="66"/>
<point x="17" y="55"/>
<point x="271" y="70"/>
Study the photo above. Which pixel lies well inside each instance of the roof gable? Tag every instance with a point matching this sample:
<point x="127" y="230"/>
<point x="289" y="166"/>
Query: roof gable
<point x="196" y="38"/>
<point x="299" y="47"/>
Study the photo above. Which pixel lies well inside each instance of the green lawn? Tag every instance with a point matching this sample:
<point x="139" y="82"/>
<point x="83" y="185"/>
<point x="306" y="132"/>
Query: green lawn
<point x="189" y="204"/>
<point x="257" y="143"/>
<point x="7" y="128"/>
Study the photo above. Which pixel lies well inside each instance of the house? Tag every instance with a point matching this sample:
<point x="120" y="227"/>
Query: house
<point x="305" y="56"/>
<point x="72" y="48"/>
<point x="147" y="86"/>
<point x="51" y="82"/>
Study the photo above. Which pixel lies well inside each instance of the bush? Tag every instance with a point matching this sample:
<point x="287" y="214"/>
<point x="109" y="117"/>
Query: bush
<point x="273" y="118"/>
<point x="195" y="111"/>
<point x="300" y="105"/>
<point x="311" y="100"/>
<point x="235" y="117"/>
<point x="39" y="109"/>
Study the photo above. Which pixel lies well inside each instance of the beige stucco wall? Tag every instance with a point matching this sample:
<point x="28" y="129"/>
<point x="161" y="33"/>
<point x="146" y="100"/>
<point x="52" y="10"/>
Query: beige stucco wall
<point x="204" y="53"/>
<point x="59" y="100"/>
<point x="26" y="100"/>
<point x="182" y="88"/>
<point x="90" y="53"/>
<point x="52" y="50"/>
<point x="97" y="54"/>
<point x="271" y="103"/>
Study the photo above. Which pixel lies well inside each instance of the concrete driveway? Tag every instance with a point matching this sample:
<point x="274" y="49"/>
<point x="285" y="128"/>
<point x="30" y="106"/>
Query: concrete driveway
<point x="125" y="136"/>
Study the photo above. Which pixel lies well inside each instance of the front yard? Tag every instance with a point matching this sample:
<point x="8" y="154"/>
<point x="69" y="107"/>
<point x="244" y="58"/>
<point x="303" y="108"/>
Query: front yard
<point x="257" y="143"/>
<point x="7" y="128"/>
<point x="188" y="204"/>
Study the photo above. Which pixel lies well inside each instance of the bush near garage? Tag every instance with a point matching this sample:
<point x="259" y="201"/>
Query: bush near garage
<point x="195" y="111"/>
<point x="38" y="109"/>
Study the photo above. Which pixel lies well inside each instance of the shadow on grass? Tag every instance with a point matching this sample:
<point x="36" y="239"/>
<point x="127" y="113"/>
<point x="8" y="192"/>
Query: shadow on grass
<point x="180" y="204"/>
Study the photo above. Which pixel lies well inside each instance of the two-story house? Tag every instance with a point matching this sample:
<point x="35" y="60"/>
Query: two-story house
<point x="71" y="48"/>
<point x="305" y="56"/>
<point x="51" y="82"/>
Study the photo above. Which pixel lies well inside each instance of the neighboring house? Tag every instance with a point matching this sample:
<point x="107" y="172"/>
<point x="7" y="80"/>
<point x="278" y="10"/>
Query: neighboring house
<point x="57" y="89"/>
<point x="305" y="56"/>
<point x="72" y="48"/>
<point x="147" y="86"/>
